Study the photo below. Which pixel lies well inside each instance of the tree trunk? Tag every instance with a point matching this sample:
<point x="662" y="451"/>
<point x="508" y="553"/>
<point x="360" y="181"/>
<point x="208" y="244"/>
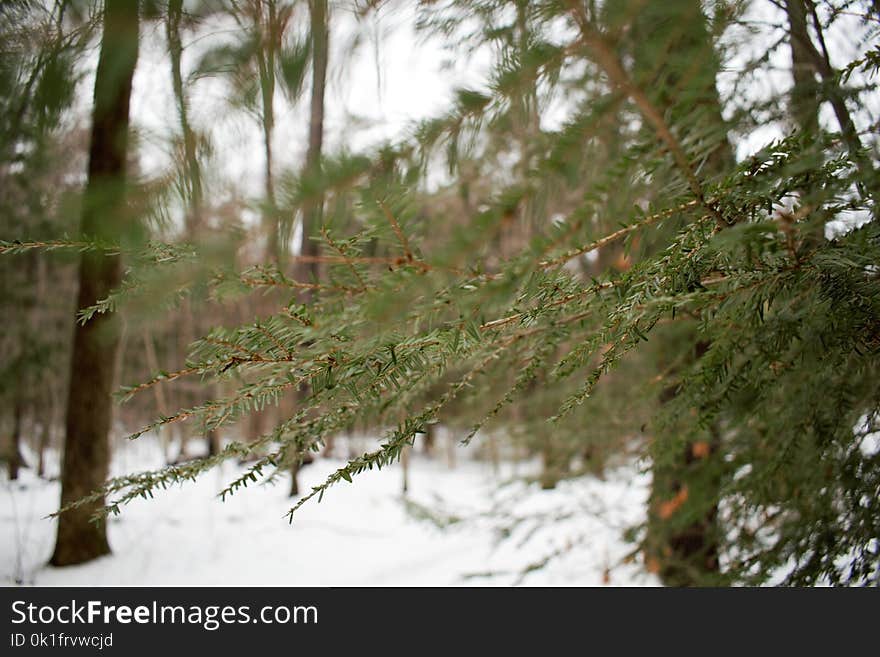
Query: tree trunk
<point x="47" y="397"/>
<point x="89" y="405"/>
<point x="554" y="463"/>
<point x="430" y="439"/>
<point x="451" y="444"/>
<point x="675" y="64"/>
<point x="313" y="209"/>
<point x="329" y="446"/>
<point x="45" y="437"/>
<point x="809" y="55"/>
<point x="805" y="92"/>
<point x="165" y="437"/>
<point x="404" y="462"/>
<point x="212" y="436"/>
<point x="13" y="457"/>
<point x="192" y="170"/>
<point x="266" y="63"/>
<point x="192" y="175"/>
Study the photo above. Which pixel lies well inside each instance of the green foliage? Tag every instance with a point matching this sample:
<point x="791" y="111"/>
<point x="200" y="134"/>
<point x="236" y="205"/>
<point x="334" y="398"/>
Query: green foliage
<point x="716" y="307"/>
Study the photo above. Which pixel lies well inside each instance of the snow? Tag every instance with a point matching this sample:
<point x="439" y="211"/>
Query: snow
<point x="455" y="526"/>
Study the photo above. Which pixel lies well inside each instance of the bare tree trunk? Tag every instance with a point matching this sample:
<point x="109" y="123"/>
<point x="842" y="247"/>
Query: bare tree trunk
<point x="494" y="453"/>
<point x="404" y="462"/>
<point x="329" y="446"/>
<point x="193" y="185"/>
<point x="89" y="410"/>
<point x="266" y="64"/>
<point x="192" y="169"/>
<point x="430" y="439"/>
<point x="450" y="449"/>
<point x="255" y="422"/>
<point x="45" y="437"/>
<point x="805" y="93"/>
<point x="212" y="437"/>
<point x="313" y="210"/>
<point x="159" y="391"/>
<point x="554" y="464"/>
<point x="816" y="58"/>
<point x="47" y="397"/>
<point x="181" y="342"/>
<point x="13" y="456"/>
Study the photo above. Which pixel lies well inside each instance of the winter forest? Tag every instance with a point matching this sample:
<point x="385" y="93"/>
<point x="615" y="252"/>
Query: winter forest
<point x="440" y="292"/>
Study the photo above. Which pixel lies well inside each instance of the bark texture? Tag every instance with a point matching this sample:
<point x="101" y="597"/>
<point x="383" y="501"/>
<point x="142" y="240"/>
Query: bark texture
<point x="89" y="403"/>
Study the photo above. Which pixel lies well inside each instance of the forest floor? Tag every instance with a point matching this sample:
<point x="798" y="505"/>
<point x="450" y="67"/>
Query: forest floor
<point x="462" y="525"/>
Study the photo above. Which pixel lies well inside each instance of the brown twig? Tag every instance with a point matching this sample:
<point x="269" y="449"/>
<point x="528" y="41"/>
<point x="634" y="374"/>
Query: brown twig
<point x="226" y="343"/>
<point x="497" y="323"/>
<point x="278" y="345"/>
<point x="345" y="257"/>
<point x="604" y="241"/>
<point x="171" y="376"/>
<point x="404" y="242"/>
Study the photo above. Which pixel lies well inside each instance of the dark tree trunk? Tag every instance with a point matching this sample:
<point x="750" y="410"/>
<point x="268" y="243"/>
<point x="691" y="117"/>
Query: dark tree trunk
<point x="329" y="446"/>
<point x="430" y="439"/>
<point x="213" y="440"/>
<point x="811" y="60"/>
<point x="313" y="210"/>
<point x="676" y="66"/>
<point x="43" y="444"/>
<point x="805" y="93"/>
<point x="686" y="554"/>
<point x="89" y="406"/>
<point x="212" y="436"/>
<point x="13" y="458"/>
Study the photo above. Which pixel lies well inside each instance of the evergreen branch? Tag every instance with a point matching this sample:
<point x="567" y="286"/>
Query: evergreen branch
<point x="397" y="440"/>
<point x="347" y="259"/>
<point x="503" y="321"/>
<point x="143" y="483"/>
<point x="277" y="343"/>
<point x="523" y="379"/>
<point x="17" y="246"/>
<point x="616" y="235"/>
<point x="230" y="345"/>
<point x="219" y="412"/>
<point x="127" y="392"/>
<point x="404" y="242"/>
<point x="270" y="276"/>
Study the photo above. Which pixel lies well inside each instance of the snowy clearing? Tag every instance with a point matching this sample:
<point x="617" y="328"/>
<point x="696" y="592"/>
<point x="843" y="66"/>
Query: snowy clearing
<point x="454" y="527"/>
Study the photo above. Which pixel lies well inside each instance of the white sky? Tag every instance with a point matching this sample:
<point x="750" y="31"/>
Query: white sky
<point x="361" y="111"/>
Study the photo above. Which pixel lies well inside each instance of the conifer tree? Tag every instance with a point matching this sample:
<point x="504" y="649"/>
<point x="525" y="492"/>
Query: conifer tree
<point x="674" y="61"/>
<point x="104" y="219"/>
<point x="733" y="339"/>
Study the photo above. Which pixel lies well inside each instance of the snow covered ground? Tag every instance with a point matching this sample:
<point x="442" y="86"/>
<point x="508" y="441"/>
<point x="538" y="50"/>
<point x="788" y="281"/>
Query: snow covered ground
<point x="454" y="527"/>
